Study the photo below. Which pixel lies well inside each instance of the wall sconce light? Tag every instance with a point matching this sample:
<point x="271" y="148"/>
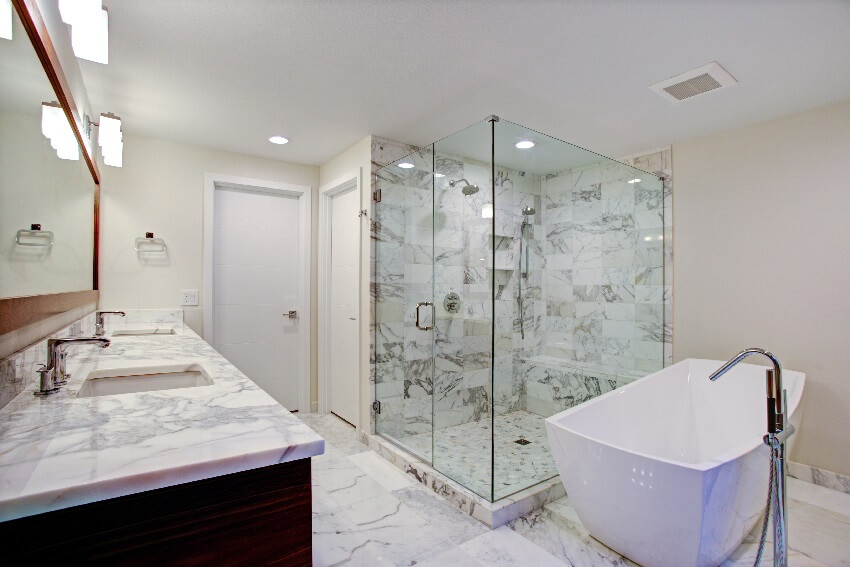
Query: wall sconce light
<point x="6" y="19"/>
<point x="55" y="127"/>
<point x="111" y="140"/>
<point x="89" y="23"/>
<point x="487" y="211"/>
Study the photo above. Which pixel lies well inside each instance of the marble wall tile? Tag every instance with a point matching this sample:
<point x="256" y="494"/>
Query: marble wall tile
<point x="553" y="384"/>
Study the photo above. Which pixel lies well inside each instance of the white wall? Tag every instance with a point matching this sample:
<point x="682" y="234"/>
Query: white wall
<point x="160" y="189"/>
<point x="358" y="159"/>
<point x="762" y="258"/>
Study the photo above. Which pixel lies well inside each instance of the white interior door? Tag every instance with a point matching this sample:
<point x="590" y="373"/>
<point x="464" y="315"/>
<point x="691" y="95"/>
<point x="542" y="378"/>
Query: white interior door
<point x="345" y="305"/>
<point x="255" y="284"/>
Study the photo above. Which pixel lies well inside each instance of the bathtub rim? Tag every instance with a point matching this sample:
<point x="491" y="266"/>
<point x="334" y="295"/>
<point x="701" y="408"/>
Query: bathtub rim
<point x="794" y="398"/>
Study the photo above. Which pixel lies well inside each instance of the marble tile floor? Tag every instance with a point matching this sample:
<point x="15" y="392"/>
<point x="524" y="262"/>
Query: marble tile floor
<point x="462" y="452"/>
<point x="367" y="512"/>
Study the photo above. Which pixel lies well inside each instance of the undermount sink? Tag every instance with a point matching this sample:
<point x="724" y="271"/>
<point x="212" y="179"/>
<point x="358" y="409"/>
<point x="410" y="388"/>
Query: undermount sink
<point x="146" y="331"/>
<point x="147" y="378"/>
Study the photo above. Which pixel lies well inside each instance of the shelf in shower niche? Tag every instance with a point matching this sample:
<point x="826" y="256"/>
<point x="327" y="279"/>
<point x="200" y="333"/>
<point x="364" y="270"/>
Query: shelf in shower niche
<point x="504" y="260"/>
<point x="499" y="236"/>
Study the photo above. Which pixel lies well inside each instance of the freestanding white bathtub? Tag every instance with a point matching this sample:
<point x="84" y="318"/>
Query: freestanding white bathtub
<point x="671" y="469"/>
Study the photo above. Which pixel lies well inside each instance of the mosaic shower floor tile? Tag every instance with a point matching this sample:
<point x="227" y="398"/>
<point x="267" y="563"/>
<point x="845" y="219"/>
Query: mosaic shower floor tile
<point x="521" y="455"/>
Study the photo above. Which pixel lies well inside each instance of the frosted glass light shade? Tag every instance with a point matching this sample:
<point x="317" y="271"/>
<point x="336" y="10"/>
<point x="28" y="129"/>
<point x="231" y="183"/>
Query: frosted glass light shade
<point x="55" y="127"/>
<point x="109" y="131"/>
<point x="6" y="19"/>
<point x="78" y="11"/>
<point x="111" y="140"/>
<point x="90" y="38"/>
<point x="114" y="155"/>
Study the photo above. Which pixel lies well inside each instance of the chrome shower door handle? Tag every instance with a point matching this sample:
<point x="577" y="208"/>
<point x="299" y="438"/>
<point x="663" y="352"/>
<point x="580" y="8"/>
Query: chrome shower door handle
<point x="418" y="305"/>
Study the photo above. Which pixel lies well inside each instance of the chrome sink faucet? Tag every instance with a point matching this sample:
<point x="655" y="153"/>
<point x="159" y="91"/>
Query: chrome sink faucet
<point x="53" y="375"/>
<point x="779" y="429"/>
<point x="98" y="321"/>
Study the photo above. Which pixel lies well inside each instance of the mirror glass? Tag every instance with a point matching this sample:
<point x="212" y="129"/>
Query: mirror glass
<point x="37" y="187"/>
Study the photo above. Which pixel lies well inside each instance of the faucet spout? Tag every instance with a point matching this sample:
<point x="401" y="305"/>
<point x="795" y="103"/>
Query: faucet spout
<point x="741" y="356"/>
<point x="776" y="409"/>
<point x="56" y="354"/>
<point x="99" y="328"/>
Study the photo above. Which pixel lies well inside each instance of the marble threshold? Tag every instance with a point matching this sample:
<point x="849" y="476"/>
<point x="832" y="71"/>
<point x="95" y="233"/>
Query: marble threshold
<point x="62" y="450"/>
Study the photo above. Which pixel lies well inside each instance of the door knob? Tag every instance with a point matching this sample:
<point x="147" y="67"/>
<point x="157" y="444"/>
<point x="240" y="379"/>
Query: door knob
<point x="291" y="314"/>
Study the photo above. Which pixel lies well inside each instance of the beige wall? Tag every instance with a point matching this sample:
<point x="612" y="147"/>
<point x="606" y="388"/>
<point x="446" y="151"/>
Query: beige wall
<point x="762" y="258"/>
<point x="358" y="160"/>
<point x="160" y="189"/>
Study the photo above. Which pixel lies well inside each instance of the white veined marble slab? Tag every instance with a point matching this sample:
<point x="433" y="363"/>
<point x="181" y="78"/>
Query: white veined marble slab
<point x="381" y="470"/>
<point x="506" y="548"/>
<point x="60" y="451"/>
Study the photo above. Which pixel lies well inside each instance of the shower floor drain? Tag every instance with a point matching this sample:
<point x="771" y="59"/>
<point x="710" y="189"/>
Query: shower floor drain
<point x="522" y="441"/>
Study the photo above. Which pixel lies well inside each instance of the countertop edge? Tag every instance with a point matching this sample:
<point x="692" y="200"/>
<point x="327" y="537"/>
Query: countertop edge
<point x="49" y="501"/>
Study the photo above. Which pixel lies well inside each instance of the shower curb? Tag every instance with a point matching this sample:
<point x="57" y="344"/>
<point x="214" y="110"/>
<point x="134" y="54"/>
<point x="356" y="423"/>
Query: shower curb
<point x="493" y="514"/>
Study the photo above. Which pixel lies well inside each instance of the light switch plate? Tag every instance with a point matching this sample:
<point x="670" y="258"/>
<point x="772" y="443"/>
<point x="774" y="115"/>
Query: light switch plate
<point x="188" y="297"/>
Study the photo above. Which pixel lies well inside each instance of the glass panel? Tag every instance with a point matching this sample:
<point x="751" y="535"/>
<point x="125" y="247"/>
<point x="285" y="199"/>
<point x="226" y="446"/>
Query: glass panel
<point x="463" y="282"/>
<point x="581" y="280"/>
<point x="403" y="277"/>
<point x="545" y="266"/>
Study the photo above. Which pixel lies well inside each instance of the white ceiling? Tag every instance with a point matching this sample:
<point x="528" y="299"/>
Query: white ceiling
<point x="229" y="73"/>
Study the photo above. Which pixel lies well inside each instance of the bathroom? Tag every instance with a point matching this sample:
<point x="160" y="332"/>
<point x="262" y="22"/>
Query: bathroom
<point x="425" y="283"/>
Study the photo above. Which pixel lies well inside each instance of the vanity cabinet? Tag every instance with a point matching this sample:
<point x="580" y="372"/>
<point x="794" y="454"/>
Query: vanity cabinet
<point x="255" y="517"/>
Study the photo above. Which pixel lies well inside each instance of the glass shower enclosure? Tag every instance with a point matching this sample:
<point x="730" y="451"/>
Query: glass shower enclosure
<point x="515" y="276"/>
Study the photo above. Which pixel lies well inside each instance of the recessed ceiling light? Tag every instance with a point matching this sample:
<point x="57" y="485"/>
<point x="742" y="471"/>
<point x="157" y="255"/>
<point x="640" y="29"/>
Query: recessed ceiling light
<point x="405" y="165"/>
<point x="525" y="144"/>
<point x="278" y="140"/>
<point x="633" y="181"/>
<point x="439" y="175"/>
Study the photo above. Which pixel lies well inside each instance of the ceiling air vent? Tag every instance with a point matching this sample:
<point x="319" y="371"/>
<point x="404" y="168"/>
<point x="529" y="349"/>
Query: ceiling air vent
<point x="695" y="82"/>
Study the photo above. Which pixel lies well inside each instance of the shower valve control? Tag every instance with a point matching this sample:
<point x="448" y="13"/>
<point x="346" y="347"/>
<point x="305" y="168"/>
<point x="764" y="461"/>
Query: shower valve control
<point x="451" y="303"/>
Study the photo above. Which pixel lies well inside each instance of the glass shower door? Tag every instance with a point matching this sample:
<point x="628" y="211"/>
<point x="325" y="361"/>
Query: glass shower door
<point x="434" y="282"/>
<point x="403" y="297"/>
<point x="463" y="293"/>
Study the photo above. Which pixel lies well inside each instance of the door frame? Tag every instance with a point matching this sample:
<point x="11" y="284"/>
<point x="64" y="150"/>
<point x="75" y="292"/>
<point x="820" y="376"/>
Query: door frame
<point x="348" y="182"/>
<point x="303" y="193"/>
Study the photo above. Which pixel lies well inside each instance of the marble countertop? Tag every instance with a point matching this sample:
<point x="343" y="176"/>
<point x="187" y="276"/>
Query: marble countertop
<point x="60" y="450"/>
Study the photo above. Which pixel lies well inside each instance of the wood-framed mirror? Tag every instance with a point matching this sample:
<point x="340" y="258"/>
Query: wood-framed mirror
<point x="49" y="180"/>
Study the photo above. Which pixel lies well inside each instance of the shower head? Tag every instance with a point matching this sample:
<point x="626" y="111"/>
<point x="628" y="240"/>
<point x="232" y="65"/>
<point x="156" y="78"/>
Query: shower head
<point x="468" y="189"/>
<point x="528" y="211"/>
